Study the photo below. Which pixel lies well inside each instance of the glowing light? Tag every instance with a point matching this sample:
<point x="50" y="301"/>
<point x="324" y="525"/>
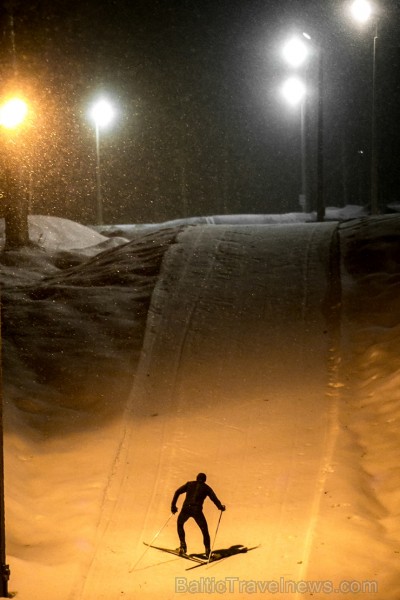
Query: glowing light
<point x="293" y="90"/>
<point x="102" y="113"/>
<point x="13" y="113"/>
<point x="295" y="52"/>
<point x="361" y="10"/>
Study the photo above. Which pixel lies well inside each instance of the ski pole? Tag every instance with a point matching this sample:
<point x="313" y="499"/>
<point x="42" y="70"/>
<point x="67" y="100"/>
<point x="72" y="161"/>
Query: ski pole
<point x="153" y="540"/>
<point x="215" y="536"/>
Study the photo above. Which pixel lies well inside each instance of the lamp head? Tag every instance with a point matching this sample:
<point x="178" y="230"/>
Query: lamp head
<point x="102" y="113"/>
<point x="295" y="52"/>
<point x="294" y="91"/>
<point x="361" y="10"/>
<point x="13" y="113"/>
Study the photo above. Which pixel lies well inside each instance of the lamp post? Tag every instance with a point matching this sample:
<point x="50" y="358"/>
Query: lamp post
<point x="296" y="52"/>
<point x="362" y="11"/>
<point x="13" y="115"/>
<point x="320" y="138"/>
<point x="102" y="114"/>
<point x="294" y="91"/>
<point x="5" y="569"/>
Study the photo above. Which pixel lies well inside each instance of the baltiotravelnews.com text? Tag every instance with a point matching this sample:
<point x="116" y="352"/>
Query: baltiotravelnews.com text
<point x="232" y="585"/>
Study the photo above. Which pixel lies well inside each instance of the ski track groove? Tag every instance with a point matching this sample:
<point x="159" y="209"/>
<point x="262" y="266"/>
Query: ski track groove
<point x="305" y="271"/>
<point x="332" y="426"/>
<point x="183" y="340"/>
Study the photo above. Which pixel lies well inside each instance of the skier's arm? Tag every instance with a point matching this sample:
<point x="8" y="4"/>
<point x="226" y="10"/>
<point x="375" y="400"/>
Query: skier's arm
<point x="213" y="497"/>
<point x="178" y="492"/>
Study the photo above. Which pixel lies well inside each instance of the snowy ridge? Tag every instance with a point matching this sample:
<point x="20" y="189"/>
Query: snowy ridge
<point x="76" y="349"/>
<point x="356" y="515"/>
<point x="130" y="231"/>
<point x="372" y="260"/>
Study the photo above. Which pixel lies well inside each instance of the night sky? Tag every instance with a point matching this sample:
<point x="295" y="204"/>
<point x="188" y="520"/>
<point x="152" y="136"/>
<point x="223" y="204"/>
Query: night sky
<point x="201" y="127"/>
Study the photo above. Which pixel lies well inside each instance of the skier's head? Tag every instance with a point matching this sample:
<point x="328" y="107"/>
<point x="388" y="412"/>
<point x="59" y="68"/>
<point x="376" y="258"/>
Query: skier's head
<point x="201" y="477"/>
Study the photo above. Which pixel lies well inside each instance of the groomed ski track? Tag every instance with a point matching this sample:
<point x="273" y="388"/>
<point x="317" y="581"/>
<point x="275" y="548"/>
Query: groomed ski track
<point x="235" y="379"/>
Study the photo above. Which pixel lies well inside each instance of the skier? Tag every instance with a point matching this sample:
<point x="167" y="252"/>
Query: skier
<point x="196" y="492"/>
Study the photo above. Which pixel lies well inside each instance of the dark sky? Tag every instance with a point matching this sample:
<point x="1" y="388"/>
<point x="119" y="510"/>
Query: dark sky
<point x="201" y="128"/>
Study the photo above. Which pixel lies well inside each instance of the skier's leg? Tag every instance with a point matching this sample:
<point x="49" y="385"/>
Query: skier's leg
<point x="202" y="523"/>
<point x="182" y="518"/>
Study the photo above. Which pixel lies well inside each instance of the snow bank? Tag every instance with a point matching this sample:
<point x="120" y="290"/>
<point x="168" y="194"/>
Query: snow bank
<point x="131" y="230"/>
<point x="72" y="338"/>
<point x="332" y="214"/>
<point x="56" y="233"/>
<point x="53" y="233"/>
<point x="372" y="315"/>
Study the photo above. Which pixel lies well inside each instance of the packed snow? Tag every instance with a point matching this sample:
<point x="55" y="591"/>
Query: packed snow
<point x="262" y="350"/>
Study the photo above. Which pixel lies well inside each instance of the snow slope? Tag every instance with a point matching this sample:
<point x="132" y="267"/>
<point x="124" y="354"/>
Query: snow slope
<point x="248" y="370"/>
<point x="212" y="394"/>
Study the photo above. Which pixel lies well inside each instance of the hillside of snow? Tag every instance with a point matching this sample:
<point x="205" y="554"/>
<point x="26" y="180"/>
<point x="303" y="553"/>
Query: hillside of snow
<point x="265" y="354"/>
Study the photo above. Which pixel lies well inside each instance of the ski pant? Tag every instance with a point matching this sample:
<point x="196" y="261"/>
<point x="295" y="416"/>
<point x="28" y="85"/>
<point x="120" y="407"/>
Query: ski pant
<point x="197" y="514"/>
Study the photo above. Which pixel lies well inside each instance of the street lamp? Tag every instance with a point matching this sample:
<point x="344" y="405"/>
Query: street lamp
<point x="362" y="11"/>
<point x="13" y="113"/>
<point x="13" y="116"/>
<point x="102" y="113"/>
<point x="295" y="52"/>
<point x="294" y="91"/>
<point x="320" y="202"/>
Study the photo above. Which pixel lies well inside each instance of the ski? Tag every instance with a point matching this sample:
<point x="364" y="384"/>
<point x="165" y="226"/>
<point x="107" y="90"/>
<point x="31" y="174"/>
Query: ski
<point x="222" y="554"/>
<point x="191" y="557"/>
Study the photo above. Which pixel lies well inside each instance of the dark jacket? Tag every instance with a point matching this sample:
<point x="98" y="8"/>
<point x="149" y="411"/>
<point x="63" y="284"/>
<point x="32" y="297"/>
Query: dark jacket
<point x="196" y="493"/>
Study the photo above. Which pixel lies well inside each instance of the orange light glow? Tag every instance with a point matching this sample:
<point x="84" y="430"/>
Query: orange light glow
<point x="13" y="113"/>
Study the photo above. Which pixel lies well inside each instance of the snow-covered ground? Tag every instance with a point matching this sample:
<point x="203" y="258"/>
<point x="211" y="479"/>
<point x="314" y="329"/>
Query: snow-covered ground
<point x="263" y="351"/>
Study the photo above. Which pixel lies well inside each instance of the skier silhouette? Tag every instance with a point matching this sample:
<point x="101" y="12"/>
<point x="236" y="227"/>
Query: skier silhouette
<point x="196" y="492"/>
